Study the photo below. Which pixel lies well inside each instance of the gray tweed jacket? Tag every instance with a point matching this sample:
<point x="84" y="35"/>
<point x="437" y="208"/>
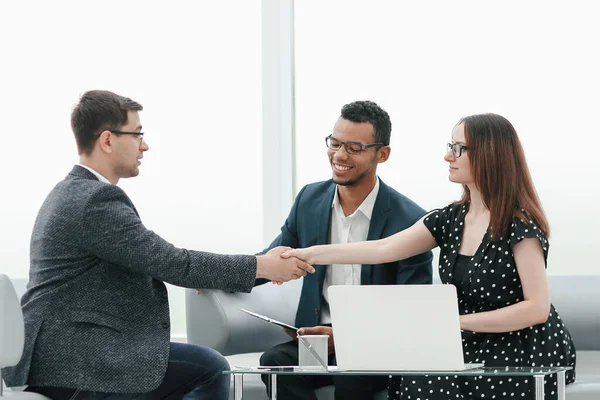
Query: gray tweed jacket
<point x="96" y="309"/>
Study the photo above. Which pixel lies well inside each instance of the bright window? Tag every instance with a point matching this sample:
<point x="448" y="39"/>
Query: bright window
<point x="196" y="69"/>
<point x="430" y="63"/>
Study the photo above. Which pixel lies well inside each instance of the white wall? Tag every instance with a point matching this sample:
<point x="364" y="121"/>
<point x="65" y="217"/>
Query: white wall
<point x="196" y="69"/>
<point x="430" y="63"/>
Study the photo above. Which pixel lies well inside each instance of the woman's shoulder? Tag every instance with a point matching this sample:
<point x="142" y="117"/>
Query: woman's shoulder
<point x="523" y="223"/>
<point x="524" y="226"/>
<point x="452" y="210"/>
<point x="447" y="215"/>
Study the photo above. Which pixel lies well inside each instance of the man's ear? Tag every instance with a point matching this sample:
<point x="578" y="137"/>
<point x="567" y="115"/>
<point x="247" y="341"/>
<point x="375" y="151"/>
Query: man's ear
<point x="383" y="154"/>
<point x="105" y="141"/>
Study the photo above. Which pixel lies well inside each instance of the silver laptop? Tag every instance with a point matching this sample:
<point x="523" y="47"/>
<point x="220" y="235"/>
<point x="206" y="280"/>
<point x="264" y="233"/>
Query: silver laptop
<point x="397" y="328"/>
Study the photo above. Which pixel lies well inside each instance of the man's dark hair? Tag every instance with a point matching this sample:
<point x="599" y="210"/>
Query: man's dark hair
<point x="99" y="110"/>
<point x="368" y="111"/>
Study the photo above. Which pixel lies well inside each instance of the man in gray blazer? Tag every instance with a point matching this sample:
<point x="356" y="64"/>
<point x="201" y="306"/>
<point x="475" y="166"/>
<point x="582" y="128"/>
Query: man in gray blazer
<point x="96" y="309"/>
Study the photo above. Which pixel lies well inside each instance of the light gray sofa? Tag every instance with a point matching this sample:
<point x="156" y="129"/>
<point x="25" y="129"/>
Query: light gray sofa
<point x="20" y="285"/>
<point x="213" y="319"/>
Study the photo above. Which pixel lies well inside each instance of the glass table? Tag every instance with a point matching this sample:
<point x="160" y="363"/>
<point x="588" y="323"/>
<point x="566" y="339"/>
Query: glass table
<point x="538" y="373"/>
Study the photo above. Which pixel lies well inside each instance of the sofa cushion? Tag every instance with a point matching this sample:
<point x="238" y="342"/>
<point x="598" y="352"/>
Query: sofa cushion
<point x="213" y="318"/>
<point x="588" y="366"/>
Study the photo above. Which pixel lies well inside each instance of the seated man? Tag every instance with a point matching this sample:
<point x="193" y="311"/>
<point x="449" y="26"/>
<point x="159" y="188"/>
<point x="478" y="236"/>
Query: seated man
<point x="355" y="205"/>
<point x="96" y="310"/>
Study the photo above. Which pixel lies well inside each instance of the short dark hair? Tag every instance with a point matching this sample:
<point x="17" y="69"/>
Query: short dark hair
<point x="99" y="110"/>
<point x="368" y="111"/>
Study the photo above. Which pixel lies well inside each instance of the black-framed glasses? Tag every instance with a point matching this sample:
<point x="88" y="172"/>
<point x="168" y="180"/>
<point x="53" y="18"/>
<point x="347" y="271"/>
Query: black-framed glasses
<point x="351" y="147"/>
<point x="138" y="135"/>
<point x="456" y="149"/>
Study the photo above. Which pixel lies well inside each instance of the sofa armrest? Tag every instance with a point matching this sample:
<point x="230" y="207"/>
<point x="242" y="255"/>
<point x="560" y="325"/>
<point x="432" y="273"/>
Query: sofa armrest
<point x="20" y="285"/>
<point x="213" y="317"/>
<point x="577" y="300"/>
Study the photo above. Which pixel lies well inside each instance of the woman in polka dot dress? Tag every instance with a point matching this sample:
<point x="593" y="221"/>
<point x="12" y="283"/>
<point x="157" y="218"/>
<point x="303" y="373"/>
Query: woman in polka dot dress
<point x="493" y="248"/>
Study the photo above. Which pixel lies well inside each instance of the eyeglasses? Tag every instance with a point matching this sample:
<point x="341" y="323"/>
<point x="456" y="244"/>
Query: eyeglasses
<point x="351" y="147"/>
<point x="456" y="149"/>
<point x="138" y="135"/>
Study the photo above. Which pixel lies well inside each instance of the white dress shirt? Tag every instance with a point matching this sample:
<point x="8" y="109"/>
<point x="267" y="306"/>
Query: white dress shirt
<point x="97" y="174"/>
<point x="346" y="229"/>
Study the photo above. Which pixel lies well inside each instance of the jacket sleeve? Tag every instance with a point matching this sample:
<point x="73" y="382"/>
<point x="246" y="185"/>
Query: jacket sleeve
<point x="416" y="270"/>
<point x="289" y="234"/>
<point x="114" y="232"/>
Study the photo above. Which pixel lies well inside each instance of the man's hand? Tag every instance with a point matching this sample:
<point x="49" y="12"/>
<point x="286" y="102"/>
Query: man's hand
<point x="320" y="330"/>
<point x="288" y="252"/>
<point x="292" y="333"/>
<point x="272" y="266"/>
<point x="276" y="251"/>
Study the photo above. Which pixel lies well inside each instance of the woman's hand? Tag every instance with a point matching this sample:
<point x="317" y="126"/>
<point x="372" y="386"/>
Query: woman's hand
<point x="302" y="254"/>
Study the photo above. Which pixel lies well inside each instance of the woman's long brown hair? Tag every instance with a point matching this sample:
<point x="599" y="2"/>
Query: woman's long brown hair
<point x="501" y="174"/>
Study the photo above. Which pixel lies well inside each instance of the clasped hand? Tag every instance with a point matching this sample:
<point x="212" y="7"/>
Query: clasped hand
<point x="280" y="269"/>
<point x="301" y="255"/>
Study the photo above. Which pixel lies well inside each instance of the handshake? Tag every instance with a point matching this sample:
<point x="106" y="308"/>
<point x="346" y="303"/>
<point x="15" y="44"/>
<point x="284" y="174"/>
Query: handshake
<point x="280" y="265"/>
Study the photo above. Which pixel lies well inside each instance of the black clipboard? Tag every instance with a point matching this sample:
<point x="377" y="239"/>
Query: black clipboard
<point x="273" y="321"/>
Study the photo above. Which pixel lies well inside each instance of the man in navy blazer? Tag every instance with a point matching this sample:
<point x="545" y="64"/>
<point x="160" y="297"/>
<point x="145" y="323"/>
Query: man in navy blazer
<point x="354" y="205"/>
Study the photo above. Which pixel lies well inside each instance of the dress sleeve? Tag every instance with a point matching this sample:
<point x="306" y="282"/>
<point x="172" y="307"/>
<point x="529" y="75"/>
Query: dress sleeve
<point x="527" y="228"/>
<point x="436" y="221"/>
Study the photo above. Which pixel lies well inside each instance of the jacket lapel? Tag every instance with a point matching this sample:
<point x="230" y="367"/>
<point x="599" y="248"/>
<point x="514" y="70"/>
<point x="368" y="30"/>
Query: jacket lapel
<point x="378" y="221"/>
<point x="323" y="215"/>
<point x="323" y="219"/>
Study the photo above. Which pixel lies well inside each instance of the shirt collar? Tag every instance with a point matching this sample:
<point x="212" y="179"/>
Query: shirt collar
<point x="366" y="207"/>
<point x="97" y="174"/>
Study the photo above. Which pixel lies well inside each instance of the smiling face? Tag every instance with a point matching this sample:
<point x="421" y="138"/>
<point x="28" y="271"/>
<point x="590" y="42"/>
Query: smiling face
<point x="460" y="167"/>
<point x="353" y="169"/>
<point x="129" y="149"/>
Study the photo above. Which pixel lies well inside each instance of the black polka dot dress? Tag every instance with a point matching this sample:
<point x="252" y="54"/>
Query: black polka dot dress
<point x="488" y="281"/>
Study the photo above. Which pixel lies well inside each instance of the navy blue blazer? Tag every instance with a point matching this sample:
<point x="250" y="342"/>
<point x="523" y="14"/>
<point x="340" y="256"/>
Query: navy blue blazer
<point x="308" y="224"/>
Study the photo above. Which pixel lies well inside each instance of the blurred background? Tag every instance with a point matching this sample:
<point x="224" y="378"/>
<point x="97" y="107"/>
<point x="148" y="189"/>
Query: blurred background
<point x="238" y="96"/>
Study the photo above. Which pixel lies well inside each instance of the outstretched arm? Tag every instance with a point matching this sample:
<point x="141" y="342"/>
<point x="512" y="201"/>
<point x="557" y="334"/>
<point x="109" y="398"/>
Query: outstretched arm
<point x="404" y="244"/>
